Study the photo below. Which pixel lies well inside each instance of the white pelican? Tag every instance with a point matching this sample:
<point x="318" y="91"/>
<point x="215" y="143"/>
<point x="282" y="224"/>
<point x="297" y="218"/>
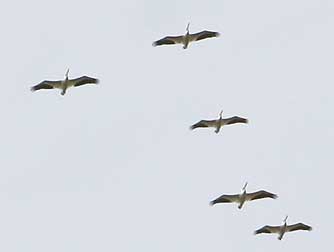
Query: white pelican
<point x="281" y="230"/>
<point x="185" y="39"/>
<point x="243" y="197"/>
<point x="219" y="122"/>
<point x="65" y="84"/>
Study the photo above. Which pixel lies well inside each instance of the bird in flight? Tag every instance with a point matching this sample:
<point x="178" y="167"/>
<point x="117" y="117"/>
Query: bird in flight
<point x="241" y="198"/>
<point x="65" y="84"/>
<point x="186" y="39"/>
<point x="281" y="230"/>
<point x="218" y="123"/>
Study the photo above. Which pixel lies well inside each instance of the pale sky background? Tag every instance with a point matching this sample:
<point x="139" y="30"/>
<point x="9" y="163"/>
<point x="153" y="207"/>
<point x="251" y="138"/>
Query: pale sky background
<point x="114" y="167"/>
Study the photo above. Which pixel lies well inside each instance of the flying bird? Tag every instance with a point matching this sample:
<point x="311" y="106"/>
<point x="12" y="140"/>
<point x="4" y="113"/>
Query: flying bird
<point x="65" y="84"/>
<point x="219" y="122"/>
<point x="281" y="230"/>
<point x="243" y="197"/>
<point x="186" y="39"/>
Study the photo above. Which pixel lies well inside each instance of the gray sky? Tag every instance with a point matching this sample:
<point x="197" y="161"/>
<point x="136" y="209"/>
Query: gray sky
<point x="115" y="167"/>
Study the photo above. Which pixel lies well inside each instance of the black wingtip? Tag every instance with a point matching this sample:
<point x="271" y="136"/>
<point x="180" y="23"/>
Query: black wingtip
<point x="199" y="124"/>
<point x="243" y="120"/>
<point x="194" y="126"/>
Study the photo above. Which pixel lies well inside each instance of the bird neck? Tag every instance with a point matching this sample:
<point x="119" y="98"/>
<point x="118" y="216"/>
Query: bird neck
<point x="187" y="29"/>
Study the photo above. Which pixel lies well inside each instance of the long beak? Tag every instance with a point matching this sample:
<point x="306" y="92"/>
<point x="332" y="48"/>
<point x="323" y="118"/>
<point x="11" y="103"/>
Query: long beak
<point x="286" y="217"/>
<point x="67" y="72"/>
<point x="187" y="29"/>
<point x="244" y="188"/>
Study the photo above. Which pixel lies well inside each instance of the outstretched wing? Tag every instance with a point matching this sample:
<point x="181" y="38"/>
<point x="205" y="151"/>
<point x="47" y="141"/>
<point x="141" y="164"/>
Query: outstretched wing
<point x="203" y="35"/>
<point x="46" y="85"/>
<point x="267" y="230"/>
<point x="260" y="195"/>
<point x="169" y="40"/>
<point x="235" y="119"/>
<point x="204" y="124"/>
<point x="226" y="199"/>
<point x="83" y="80"/>
<point x="298" y="226"/>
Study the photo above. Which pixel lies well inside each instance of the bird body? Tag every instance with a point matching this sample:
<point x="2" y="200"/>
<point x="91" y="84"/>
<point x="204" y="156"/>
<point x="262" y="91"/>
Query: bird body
<point x="241" y="198"/>
<point x="185" y="39"/>
<point x="281" y="230"/>
<point x="65" y="84"/>
<point x="220" y="122"/>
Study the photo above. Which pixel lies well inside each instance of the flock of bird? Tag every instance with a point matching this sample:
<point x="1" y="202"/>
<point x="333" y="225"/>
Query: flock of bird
<point x="241" y="198"/>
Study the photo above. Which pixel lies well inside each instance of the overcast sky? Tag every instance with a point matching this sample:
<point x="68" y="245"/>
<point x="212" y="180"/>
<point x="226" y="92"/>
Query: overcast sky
<point x="114" y="167"/>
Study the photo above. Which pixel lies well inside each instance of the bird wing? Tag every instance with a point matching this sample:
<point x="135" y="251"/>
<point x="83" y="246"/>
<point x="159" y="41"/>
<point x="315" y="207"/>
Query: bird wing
<point x="260" y="195"/>
<point x="298" y="226"/>
<point x="234" y="119"/>
<point x="267" y="230"/>
<point x="226" y="199"/>
<point x="204" y="124"/>
<point x="46" y="85"/>
<point x="203" y="35"/>
<point x="169" y="40"/>
<point x="84" y="80"/>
